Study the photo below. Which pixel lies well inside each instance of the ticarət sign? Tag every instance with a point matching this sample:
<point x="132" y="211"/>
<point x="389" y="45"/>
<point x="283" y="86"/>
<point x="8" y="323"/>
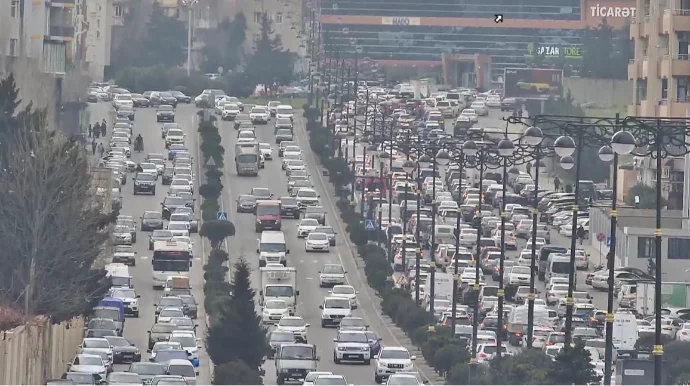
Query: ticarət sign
<point x="599" y="10"/>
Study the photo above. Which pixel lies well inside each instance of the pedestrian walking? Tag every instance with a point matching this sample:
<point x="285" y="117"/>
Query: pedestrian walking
<point x="101" y="149"/>
<point x="529" y="168"/>
<point x="103" y="132"/>
<point x="90" y="130"/>
<point x="93" y="146"/>
<point x="581" y="233"/>
<point x="557" y="184"/>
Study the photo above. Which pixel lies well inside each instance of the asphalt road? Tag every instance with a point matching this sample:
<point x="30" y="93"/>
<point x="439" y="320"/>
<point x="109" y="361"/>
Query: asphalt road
<point x="308" y="264"/>
<point x="136" y="328"/>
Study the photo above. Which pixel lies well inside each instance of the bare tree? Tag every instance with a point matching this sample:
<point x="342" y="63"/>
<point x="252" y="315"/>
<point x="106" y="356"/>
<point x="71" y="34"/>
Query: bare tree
<point x="50" y="232"/>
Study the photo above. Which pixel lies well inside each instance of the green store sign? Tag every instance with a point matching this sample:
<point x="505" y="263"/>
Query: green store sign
<point x="554" y="51"/>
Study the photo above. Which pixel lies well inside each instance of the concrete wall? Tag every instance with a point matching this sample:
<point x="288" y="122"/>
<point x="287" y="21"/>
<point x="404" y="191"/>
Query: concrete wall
<point x="32" y="353"/>
<point x="601" y="92"/>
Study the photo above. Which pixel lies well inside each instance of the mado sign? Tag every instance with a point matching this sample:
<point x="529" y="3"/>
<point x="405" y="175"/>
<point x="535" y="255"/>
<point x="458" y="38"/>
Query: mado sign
<point x="400" y="21"/>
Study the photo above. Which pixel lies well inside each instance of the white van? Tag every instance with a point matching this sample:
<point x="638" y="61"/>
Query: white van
<point x="559" y="266"/>
<point x="285" y="111"/>
<point x="389" y="209"/>
<point x="272" y="248"/>
<point x="119" y="275"/>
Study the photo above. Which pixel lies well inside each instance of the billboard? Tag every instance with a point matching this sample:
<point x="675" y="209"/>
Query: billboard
<point x="532" y="83"/>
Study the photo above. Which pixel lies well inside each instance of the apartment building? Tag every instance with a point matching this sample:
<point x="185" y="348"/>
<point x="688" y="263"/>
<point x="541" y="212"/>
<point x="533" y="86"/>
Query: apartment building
<point x="287" y="18"/>
<point x="661" y="84"/>
<point x="57" y="33"/>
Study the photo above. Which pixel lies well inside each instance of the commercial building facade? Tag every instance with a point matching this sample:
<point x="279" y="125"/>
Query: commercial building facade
<point x="443" y="33"/>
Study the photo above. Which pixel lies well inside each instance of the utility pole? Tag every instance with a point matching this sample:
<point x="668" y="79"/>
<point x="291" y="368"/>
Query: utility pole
<point x="190" y="12"/>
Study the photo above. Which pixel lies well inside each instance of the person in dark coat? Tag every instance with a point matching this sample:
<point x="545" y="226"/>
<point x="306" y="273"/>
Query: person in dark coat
<point x="529" y="168"/>
<point x="581" y="233"/>
<point x="90" y="130"/>
<point x="557" y="184"/>
<point x="96" y="130"/>
<point x="93" y="146"/>
<point x="103" y="132"/>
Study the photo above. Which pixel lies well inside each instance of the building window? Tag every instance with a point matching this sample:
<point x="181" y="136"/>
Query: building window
<point x="14" y="9"/>
<point x="645" y="247"/>
<point x="679" y="249"/>
<point x="118" y="10"/>
<point x="279" y="17"/>
<point x="257" y="17"/>
<point x="13" y="47"/>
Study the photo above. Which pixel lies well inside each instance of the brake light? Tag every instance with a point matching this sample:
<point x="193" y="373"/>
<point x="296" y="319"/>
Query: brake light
<point x="482" y="355"/>
<point x="549" y="343"/>
<point x="482" y="325"/>
<point x="593" y="319"/>
<point x="504" y="326"/>
<point x="518" y="334"/>
<point x="549" y="293"/>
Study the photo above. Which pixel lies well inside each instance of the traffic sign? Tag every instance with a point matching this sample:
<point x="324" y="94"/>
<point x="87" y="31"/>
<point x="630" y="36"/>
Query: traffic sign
<point x="222" y="216"/>
<point x="210" y="163"/>
<point x="369" y="225"/>
<point x="601" y="237"/>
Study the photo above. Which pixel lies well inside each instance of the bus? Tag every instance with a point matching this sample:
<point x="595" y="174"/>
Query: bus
<point x="170" y="258"/>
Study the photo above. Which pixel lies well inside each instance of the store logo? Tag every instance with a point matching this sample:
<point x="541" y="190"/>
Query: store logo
<point x="403" y="21"/>
<point x="612" y="12"/>
<point x="553" y="51"/>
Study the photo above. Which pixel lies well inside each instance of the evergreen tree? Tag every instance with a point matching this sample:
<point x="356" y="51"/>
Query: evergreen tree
<point x="235" y="373"/>
<point x="238" y="334"/>
<point x="573" y="367"/>
<point x="224" y="46"/>
<point x="270" y="65"/>
<point x="9" y="101"/>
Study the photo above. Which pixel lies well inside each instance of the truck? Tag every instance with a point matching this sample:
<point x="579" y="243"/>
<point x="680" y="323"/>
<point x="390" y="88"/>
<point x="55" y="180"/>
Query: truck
<point x="279" y="283"/>
<point x="293" y="361"/>
<point x="673" y="295"/>
<point x="247" y="157"/>
<point x="517" y="322"/>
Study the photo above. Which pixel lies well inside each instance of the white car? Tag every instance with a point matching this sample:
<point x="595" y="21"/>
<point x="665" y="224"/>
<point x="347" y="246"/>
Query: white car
<point x="174" y="136"/>
<point x="178" y="228"/>
<point x="480" y="107"/>
<point x="645" y="326"/>
<point x="189" y="343"/>
<point x="182" y="184"/>
<point x="259" y="114"/>
<point x="346" y="292"/>
<point x="229" y="111"/>
<point x="334" y="310"/>
<point x="90" y="364"/>
<point x="187" y="240"/>
<point x="316" y="242"/>
<point x="306" y="226"/>
<point x="312" y="375"/>
<point x="555" y="293"/>
<point x="566" y="230"/>
<point x="294" y="165"/>
<point x="471" y="114"/>
<point x="519" y="275"/>
<point x="266" y="150"/>
<point x="525" y="258"/>
<point x="581" y="259"/>
<point x="149" y="167"/>
<point x="493" y="101"/>
<point x="539" y="337"/>
<point x="273" y="311"/>
<point x="162" y="346"/>
<point x="391" y="360"/>
<point x="100" y="345"/>
<point x="331" y="274"/>
<point x="683" y="334"/>
<point x="294" y="324"/>
<point x="486" y="352"/>
<point x="510" y="240"/>
<point x="351" y="346"/>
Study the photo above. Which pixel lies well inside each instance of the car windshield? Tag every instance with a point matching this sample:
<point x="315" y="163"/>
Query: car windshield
<point x="282" y="336"/>
<point x="153" y="215"/>
<point x="143" y="368"/>
<point x="184" y="322"/>
<point x="291" y="322"/>
<point x="162" y="328"/>
<point x="337" y="303"/>
<point x="403" y="380"/>
<point x="123" y="293"/>
<point x="344" y="290"/>
<point x="394" y="354"/>
<point x="284" y="132"/>
<point x="317" y="236"/>
<point x="124" y="379"/>
<point x="306" y="193"/>
<point x="309" y="222"/>
<point x="183" y="370"/>
<point x="174" y="201"/>
<point x="162" y="346"/>
<point x="84" y="360"/>
<point x="145" y="177"/>
<point x="165" y="108"/>
<point x="185" y="341"/>
<point x="297" y="352"/>
<point x="161" y="234"/>
<point x="283" y="121"/>
<point x="261" y="192"/>
<point x="96" y="343"/>
<point x="124" y="249"/>
<point x="326" y="230"/>
<point x="177" y="226"/>
<point x="288" y="201"/>
<point x="245" y="198"/>
<point x="330" y="380"/>
<point x="276" y="304"/>
<point x="175" y="133"/>
<point x="333" y="269"/>
<point x="117" y="341"/>
<point x="356" y="337"/>
<point x="258" y="111"/>
<point x="171" y="313"/>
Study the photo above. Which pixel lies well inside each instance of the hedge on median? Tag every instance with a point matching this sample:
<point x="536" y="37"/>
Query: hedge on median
<point x="439" y="347"/>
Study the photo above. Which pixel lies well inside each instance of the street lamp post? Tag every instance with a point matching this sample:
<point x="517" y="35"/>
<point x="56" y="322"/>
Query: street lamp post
<point x="190" y="12"/>
<point x="408" y="167"/>
<point x="533" y="137"/>
<point x="418" y="214"/>
<point x="506" y="148"/>
<point x="456" y="255"/>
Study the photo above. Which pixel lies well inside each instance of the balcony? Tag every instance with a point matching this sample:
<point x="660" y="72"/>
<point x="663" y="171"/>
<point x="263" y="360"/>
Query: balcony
<point x="635" y="28"/>
<point x="645" y="67"/>
<point x="61" y="33"/>
<point x="676" y="65"/>
<point x="676" y="20"/>
<point x="673" y="108"/>
<point x="633" y="69"/>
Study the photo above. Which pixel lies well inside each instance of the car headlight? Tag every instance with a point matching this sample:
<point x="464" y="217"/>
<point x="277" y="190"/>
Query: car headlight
<point x="381" y="365"/>
<point x="341" y="348"/>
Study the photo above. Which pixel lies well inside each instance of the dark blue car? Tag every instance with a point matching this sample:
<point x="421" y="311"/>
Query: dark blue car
<point x="375" y="344"/>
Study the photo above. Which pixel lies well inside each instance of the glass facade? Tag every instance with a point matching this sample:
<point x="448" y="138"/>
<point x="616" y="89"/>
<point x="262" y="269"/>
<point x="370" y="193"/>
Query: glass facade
<point x="508" y="47"/>
<point x="515" y="9"/>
